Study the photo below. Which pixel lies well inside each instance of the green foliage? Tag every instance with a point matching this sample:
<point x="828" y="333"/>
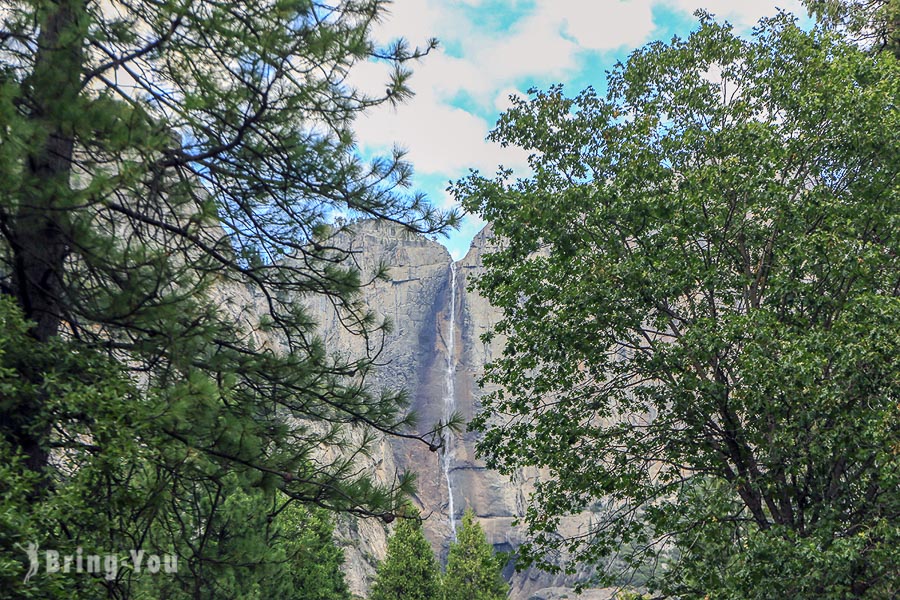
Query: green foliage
<point x="168" y="173"/>
<point x="115" y="494"/>
<point x="244" y="552"/>
<point x="409" y="571"/>
<point x="315" y="560"/>
<point x="156" y="175"/>
<point x="629" y="595"/>
<point x="874" y="23"/>
<point x="700" y="298"/>
<point x="82" y="385"/>
<point x="473" y="571"/>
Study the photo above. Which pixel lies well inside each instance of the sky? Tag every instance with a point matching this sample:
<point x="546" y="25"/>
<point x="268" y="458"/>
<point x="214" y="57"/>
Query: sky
<point x="491" y="49"/>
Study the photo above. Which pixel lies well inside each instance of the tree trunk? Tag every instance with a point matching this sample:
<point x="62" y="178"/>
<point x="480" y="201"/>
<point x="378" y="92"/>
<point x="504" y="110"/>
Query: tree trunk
<point x="39" y="237"/>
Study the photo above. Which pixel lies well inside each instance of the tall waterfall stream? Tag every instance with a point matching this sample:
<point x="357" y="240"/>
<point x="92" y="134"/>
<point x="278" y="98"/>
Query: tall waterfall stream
<point x="450" y="399"/>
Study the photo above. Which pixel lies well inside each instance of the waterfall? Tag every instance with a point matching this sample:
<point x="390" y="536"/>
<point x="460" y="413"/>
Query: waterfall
<point x="450" y="398"/>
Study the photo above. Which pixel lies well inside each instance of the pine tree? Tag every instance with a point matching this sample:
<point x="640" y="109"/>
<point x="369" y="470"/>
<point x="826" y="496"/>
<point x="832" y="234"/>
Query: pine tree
<point x="246" y="554"/>
<point x="409" y="571"/>
<point x="315" y="560"/>
<point x="157" y="156"/>
<point x="168" y="175"/>
<point x="473" y="570"/>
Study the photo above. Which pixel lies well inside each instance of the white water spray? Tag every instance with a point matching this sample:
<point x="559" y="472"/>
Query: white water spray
<point x="450" y="398"/>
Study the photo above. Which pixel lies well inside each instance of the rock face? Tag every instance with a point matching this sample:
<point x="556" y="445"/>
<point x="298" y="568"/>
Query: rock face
<point x="435" y="352"/>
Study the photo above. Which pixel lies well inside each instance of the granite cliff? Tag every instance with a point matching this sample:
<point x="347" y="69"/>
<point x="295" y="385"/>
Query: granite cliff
<point x="435" y="352"/>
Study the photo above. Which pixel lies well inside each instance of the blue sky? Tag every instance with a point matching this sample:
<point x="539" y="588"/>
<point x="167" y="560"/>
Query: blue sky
<point x="490" y="49"/>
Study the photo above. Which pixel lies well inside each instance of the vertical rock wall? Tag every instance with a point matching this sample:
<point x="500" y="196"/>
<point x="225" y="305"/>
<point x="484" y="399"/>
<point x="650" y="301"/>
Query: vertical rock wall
<point x="417" y="300"/>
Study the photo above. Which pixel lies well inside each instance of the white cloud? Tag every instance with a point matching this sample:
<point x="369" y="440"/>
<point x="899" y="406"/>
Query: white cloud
<point x="604" y="25"/>
<point x="445" y="139"/>
<point x="544" y="43"/>
<point x="534" y="47"/>
<point x="411" y="19"/>
<point x="741" y="13"/>
<point x="440" y="139"/>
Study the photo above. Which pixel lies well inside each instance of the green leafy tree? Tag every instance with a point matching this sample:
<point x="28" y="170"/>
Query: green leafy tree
<point x="473" y="570"/>
<point x="409" y="571"/>
<point x="85" y="508"/>
<point x="700" y="296"/>
<point x="873" y="23"/>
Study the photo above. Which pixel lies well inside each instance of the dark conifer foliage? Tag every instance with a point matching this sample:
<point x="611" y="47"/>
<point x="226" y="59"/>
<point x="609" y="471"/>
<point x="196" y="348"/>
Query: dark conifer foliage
<point x="409" y="571"/>
<point x="168" y="173"/>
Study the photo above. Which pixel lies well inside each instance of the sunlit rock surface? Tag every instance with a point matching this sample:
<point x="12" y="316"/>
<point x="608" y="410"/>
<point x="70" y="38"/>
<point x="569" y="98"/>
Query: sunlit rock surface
<point x="415" y="356"/>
